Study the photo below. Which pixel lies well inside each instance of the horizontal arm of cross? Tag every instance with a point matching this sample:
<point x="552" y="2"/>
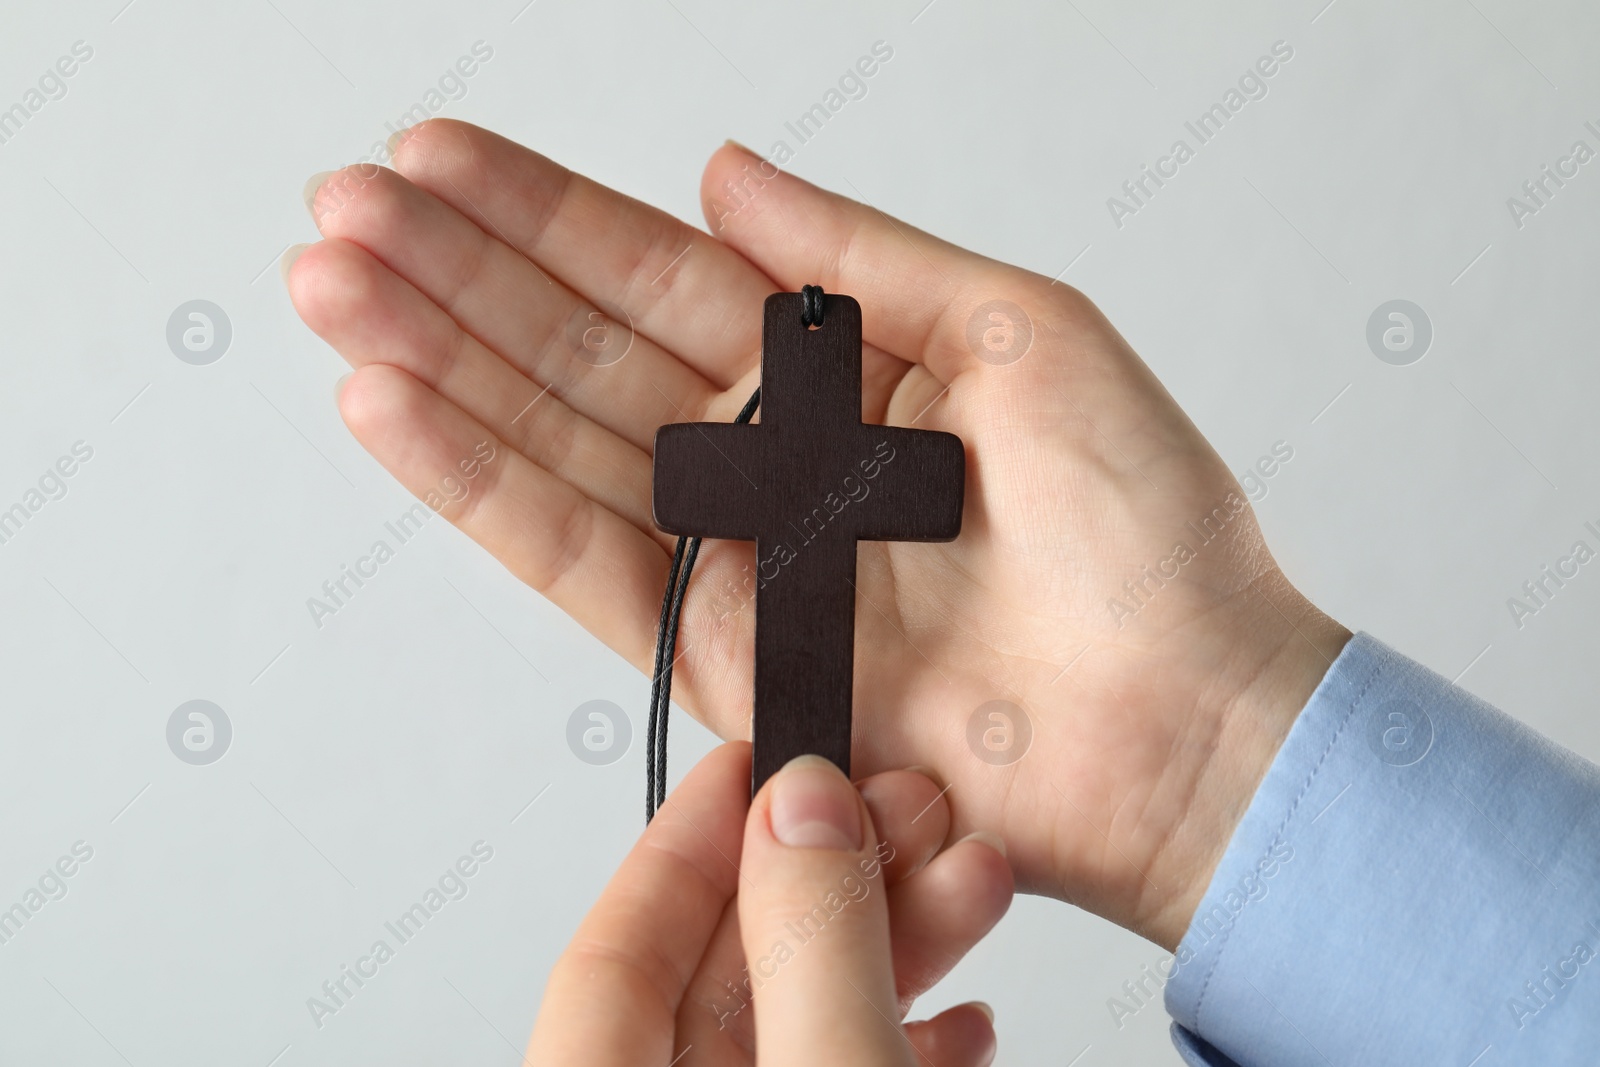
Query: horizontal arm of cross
<point x="919" y="487"/>
<point x="708" y="480"/>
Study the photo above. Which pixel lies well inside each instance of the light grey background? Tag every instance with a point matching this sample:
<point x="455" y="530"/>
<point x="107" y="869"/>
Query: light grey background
<point x="369" y="754"/>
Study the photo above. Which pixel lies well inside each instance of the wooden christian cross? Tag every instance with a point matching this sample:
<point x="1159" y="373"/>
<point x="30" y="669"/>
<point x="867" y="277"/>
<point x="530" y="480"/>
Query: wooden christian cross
<point x="805" y="484"/>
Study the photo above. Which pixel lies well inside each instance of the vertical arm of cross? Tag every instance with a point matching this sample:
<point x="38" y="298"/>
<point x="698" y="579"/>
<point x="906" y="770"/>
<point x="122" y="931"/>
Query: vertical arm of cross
<point x="811" y="379"/>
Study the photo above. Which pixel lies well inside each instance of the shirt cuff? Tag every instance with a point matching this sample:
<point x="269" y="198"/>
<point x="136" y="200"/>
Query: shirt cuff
<point x="1415" y="881"/>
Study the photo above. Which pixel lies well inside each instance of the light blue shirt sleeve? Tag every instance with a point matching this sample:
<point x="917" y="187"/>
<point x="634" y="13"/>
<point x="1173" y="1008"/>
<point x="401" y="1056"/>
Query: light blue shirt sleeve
<point x="1417" y="880"/>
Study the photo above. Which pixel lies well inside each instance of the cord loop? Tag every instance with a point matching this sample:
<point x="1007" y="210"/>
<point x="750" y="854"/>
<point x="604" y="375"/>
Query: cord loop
<point x="811" y="305"/>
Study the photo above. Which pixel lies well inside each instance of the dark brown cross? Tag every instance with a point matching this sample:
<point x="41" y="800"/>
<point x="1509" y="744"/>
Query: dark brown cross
<point x="805" y="484"/>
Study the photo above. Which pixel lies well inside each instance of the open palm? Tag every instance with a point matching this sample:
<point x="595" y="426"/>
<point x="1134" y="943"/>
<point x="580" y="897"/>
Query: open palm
<point x="469" y="290"/>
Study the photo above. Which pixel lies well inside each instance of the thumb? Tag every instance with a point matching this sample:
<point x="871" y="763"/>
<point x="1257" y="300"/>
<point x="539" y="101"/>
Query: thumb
<point x="815" y="925"/>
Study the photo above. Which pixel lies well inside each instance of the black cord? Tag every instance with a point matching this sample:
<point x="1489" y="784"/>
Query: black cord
<point x="811" y="305"/>
<point x="683" y="557"/>
<point x="650" y="801"/>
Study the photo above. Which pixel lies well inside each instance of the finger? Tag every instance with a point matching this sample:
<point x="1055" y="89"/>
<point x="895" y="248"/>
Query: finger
<point x="815" y="924"/>
<point x="922" y="290"/>
<point x="962" y="1036"/>
<point x="613" y="994"/>
<point x="372" y="315"/>
<point x="938" y="914"/>
<point x="517" y="311"/>
<point x="715" y="1017"/>
<point x="594" y="565"/>
<point x="910" y="815"/>
<point x="556" y="522"/>
<point x="687" y="291"/>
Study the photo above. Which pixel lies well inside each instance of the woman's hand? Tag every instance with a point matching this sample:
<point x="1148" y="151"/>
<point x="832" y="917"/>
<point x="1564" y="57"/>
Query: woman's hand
<point x="1109" y="578"/>
<point x="797" y="935"/>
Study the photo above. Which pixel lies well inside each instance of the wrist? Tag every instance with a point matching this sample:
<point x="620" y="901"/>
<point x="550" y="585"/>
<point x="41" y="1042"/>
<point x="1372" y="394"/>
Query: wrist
<point x="1266" y="666"/>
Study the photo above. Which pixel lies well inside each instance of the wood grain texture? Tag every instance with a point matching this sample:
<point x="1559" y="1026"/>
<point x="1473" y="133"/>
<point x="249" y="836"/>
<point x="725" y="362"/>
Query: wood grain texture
<point x="805" y="484"/>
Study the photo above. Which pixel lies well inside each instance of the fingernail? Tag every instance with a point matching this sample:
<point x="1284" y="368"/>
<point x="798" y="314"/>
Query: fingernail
<point x="981" y="1006"/>
<point x="338" y="387"/>
<point x="926" y="772"/>
<point x="309" y="193"/>
<point x="746" y="150"/>
<point x="994" y="841"/>
<point x="814" y="806"/>
<point x="286" y="261"/>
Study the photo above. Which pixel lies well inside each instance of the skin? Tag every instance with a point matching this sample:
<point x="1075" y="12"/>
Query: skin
<point x="450" y="284"/>
<point x="632" y="989"/>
